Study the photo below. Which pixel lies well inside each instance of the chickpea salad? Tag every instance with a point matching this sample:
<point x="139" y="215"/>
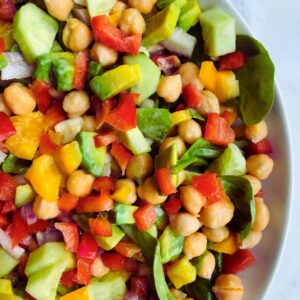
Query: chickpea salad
<point x="133" y="146"/>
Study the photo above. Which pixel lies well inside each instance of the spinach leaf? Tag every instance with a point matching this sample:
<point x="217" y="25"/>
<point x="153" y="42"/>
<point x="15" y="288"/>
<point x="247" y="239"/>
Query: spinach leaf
<point x="15" y="165"/>
<point x="219" y="265"/>
<point x="154" y="122"/>
<point x="240" y="192"/>
<point x="200" y="289"/>
<point x="159" y="277"/>
<point x="197" y="154"/>
<point x="195" y="115"/>
<point x="256" y="80"/>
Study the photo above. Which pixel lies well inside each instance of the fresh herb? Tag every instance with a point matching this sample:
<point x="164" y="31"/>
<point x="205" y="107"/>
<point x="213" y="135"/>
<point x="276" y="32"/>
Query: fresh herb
<point x="195" y="115"/>
<point x="200" y="289"/>
<point x="95" y="69"/>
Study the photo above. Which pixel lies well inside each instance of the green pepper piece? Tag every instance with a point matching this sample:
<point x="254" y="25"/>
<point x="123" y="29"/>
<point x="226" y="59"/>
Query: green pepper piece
<point x="64" y="72"/>
<point x="15" y="165"/>
<point x="189" y="15"/>
<point x="95" y="69"/>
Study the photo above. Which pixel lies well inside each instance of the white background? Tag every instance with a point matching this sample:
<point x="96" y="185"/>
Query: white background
<point x="276" y="23"/>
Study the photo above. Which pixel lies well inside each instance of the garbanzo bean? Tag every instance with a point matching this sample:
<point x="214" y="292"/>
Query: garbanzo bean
<point x="59" y="9"/>
<point x="76" y="35"/>
<point x="169" y="88"/>
<point x="3" y="106"/>
<point x="190" y="131"/>
<point x="144" y="6"/>
<point x="191" y="199"/>
<point x="132" y="22"/>
<point x="80" y="183"/>
<point x="76" y="103"/>
<point x="216" y="235"/>
<point x="256" y="133"/>
<point x="118" y="7"/>
<point x="210" y="104"/>
<point x="262" y="216"/>
<point x="194" y="245"/>
<point x="125" y="191"/>
<point x="18" y="99"/>
<point x="178" y="294"/>
<point x="228" y="287"/>
<point x="207" y="266"/>
<point x="89" y="123"/>
<point x="260" y="166"/>
<point x="184" y="223"/>
<point x="181" y="148"/>
<point x="189" y="74"/>
<point x="45" y="209"/>
<point x="139" y="167"/>
<point x="251" y="240"/>
<point x="104" y="55"/>
<point x="255" y="183"/>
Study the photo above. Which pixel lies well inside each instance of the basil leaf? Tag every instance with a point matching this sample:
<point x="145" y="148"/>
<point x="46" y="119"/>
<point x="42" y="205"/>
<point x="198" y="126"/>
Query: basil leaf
<point x="195" y="115"/>
<point x="256" y="80"/>
<point x="240" y="192"/>
<point x="200" y="289"/>
<point x="197" y="155"/>
<point x="154" y="122"/>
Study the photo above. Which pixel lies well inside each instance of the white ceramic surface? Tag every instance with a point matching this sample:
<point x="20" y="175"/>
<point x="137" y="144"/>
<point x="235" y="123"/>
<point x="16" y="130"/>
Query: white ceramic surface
<point x="278" y="187"/>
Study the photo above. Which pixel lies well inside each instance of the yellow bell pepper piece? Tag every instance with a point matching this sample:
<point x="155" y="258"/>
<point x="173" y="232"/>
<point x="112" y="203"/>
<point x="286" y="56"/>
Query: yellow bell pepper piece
<point x="25" y="142"/>
<point x="6" y="287"/>
<point x="56" y="137"/>
<point x="69" y="158"/>
<point x="80" y="294"/>
<point x="181" y="272"/>
<point x="180" y="116"/>
<point x="114" y="19"/>
<point x="227" y="86"/>
<point x="121" y="194"/>
<point x="45" y="177"/>
<point x="228" y="246"/>
<point x="208" y="75"/>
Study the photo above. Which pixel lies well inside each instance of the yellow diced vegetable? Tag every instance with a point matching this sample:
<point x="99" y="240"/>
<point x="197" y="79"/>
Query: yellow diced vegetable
<point x="6" y="287"/>
<point x="227" y="86"/>
<point x="80" y="294"/>
<point x="228" y="246"/>
<point x="121" y="194"/>
<point x="114" y="19"/>
<point x="208" y="75"/>
<point x="180" y="116"/>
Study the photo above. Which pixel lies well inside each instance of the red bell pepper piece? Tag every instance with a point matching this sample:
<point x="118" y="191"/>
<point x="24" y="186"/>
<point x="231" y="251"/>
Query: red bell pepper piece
<point x="105" y="138"/>
<point x="2" y="45"/>
<point x="191" y="96"/>
<point x="68" y="279"/>
<point x="8" y="207"/>
<point x="104" y="183"/>
<point x="95" y="203"/>
<point x="114" y="261"/>
<point x="138" y="284"/>
<point x="145" y="216"/>
<point x="81" y="70"/>
<point x="7" y="10"/>
<point x="100" y="227"/>
<point x="218" y="131"/>
<point x="262" y="147"/>
<point x="40" y="91"/>
<point x="131" y="265"/>
<point x="46" y="145"/>
<point x="123" y="117"/>
<point x="121" y="154"/>
<point x="7" y="128"/>
<point x="237" y="262"/>
<point x="210" y="186"/>
<point x="3" y="222"/>
<point x="229" y="116"/>
<point x="113" y="37"/>
<point x="84" y="272"/>
<point x="88" y="247"/>
<point x="8" y="187"/>
<point x="39" y="225"/>
<point x="70" y="233"/>
<point x="164" y="181"/>
<point x="102" y="109"/>
<point x="19" y="229"/>
<point x="179" y="107"/>
<point x="67" y="202"/>
<point x="232" y="61"/>
<point x="55" y="114"/>
<point x="173" y="205"/>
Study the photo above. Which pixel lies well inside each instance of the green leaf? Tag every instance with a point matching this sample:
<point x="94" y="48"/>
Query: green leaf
<point x="154" y="122"/>
<point x="199" y="289"/>
<point x="15" y="165"/>
<point x="256" y="80"/>
<point x="195" y="115"/>
<point x="240" y="192"/>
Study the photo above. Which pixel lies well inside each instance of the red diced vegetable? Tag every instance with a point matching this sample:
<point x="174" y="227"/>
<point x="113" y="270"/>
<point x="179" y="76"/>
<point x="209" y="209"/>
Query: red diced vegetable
<point x="102" y="109"/>
<point x="55" y="114"/>
<point x="2" y="45"/>
<point x="95" y="203"/>
<point x="173" y="205"/>
<point x="46" y="145"/>
<point x="39" y="225"/>
<point x="40" y="91"/>
<point x="114" y="261"/>
<point x="232" y="61"/>
<point x="145" y="216"/>
<point x="131" y="265"/>
<point x="218" y="131"/>
<point x="84" y="273"/>
<point x="67" y="279"/>
<point x="105" y="138"/>
<point x="104" y="183"/>
<point x="7" y="128"/>
<point x="67" y="202"/>
<point x="7" y="10"/>
<point x="121" y="154"/>
<point x="22" y="265"/>
<point x="81" y="70"/>
<point x="262" y="147"/>
<point x="168" y="64"/>
<point x="8" y="187"/>
<point x="70" y="233"/>
<point x="3" y="222"/>
<point x="100" y="227"/>
<point x="131" y="44"/>
<point x="138" y="284"/>
<point x="237" y="262"/>
<point x="164" y="181"/>
<point x="88" y="247"/>
<point x="19" y="229"/>
<point x="179" y="107"/>
<point x="8" y="207"/>
<point x="229" y="116"/>
<point x="191" y="96"/>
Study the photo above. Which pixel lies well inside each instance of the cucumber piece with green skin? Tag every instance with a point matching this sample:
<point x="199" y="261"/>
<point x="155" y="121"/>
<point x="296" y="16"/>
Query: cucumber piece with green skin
<point x="108" y="243"/>
<point x="34" y="31"/>
<point x="161" y="4"/>
<point x="100" y="7"/>
<point x="24" y="195"/>
<point x="124" y="213"/>
<point x="189" y="15"/>
<point x="7" y="263"/>
<point x="93" y="158"/>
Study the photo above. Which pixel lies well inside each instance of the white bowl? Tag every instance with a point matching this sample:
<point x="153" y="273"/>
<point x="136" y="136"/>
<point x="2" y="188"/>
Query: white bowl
<point x="278" y="188"/>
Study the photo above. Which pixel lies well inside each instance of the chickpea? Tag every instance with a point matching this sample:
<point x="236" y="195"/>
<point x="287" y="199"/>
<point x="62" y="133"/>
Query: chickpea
<point x="89" y="123"/>
<point x="170" y="88"/>
<point x="184" y="223"/>
<point x="144" y="6"/>
<point x="260" y="166"/>
<point x="181" y="148"/>
<point x="80" y="183"/>
<point x="189" y="74"/>
<point x="217" y="214"/>
<point x="262" y="216"/>
<point x="216" y="235"/>
<point x="118" y="7"/>
<point x="191" y="199"/>
<point x="76" y="103"/>
<point x="256" y="133"/>
<point x="132" y="22"/>
<point x="190" y="131"/>
<point x="207" y="266"/>
<point x="255" y="183"/>
<point x="210" y="104"/>
<point x="194" y="245"/>
<point x="98" y="269"/>
<point x="18" y="99"/>
<point x="76" y="35"/>
<point x="3" y="106"/>
<point x="139" y="167"/>
<point x="177" y="294"/>
<point x="59" y="9"/>
<point x="103" y="54"/>
<point x="251" y="240"/>
<point x="45" y="209"/>
<point x="181" y="178"/>
<point x="148" y="192"/>
<point x="125" y="191"/>
<point x="228" y="287"/>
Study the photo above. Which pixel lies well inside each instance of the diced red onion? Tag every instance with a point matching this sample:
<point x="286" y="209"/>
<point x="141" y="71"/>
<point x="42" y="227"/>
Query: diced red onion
<point x="20" y="179"/>
<point x="28" y="214"/>
<point x="65" y="217"/>
<point x="168" y="64"/>
<point x="143" y="270"/>
<point x="29" y="243"/>
<point x="6" y="244"/>
<point x="155" y="48"/>
<point x="131" y="296"/>
<point x="2" y="157"/>
<point x="49" y="235"/>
